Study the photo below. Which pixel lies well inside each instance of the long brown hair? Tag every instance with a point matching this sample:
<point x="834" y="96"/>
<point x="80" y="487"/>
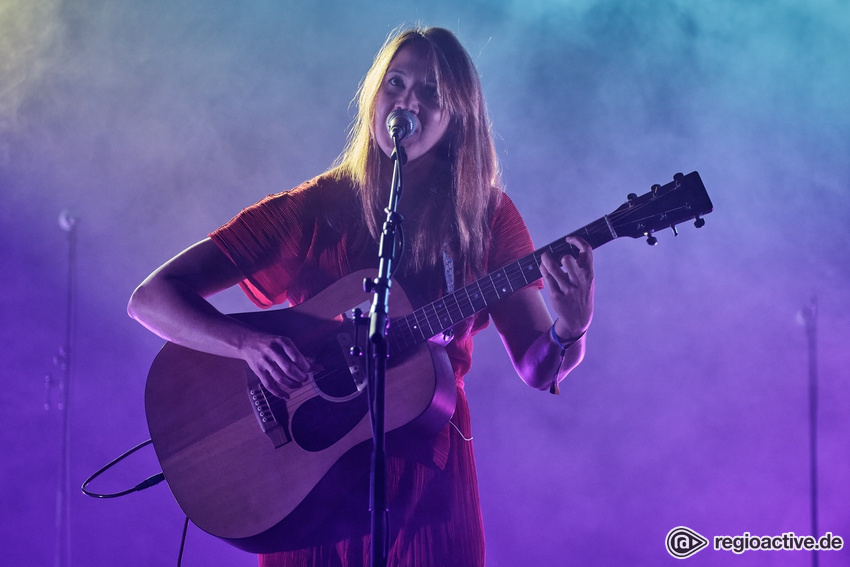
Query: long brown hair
<point x="461" y="219"/>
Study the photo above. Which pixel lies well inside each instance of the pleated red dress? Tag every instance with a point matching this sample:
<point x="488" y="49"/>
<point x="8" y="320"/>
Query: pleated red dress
<point x="292" y="245"/>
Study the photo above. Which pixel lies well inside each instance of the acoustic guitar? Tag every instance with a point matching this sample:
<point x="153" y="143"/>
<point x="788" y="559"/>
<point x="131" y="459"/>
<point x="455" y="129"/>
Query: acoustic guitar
<point x="268" y="474"/>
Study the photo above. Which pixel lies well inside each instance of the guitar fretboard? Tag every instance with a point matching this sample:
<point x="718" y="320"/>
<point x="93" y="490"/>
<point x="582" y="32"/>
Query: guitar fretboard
<point x="440" y="315"/>
<point x="662" y="207"/>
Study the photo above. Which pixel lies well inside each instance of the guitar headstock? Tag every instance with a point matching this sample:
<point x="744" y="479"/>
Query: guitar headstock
<point x="663" y="206"/>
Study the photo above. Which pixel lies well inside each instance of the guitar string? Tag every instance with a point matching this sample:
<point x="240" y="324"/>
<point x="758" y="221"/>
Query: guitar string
<point x="441" y="305"/>
<point x="511" y="271"/>
<point x="308" y="391"/>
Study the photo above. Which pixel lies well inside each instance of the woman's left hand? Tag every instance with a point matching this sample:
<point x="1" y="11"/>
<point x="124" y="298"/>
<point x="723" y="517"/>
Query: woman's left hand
<point x="570" y="285"/>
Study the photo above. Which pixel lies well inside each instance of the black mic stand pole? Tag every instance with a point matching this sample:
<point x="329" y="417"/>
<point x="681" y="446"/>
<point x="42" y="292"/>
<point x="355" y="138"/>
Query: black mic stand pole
<point x="378" y="352"/>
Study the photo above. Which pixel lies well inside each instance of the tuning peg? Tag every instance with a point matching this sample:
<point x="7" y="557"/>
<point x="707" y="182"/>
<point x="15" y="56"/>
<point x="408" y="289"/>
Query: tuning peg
<point x="678" y="177"/>
<point x="651" y="240"/>
<point x="699" y="223"/>
<point x="631" y="196"/>
<point x="655" y="189"/>
<point x="675" y="230"/>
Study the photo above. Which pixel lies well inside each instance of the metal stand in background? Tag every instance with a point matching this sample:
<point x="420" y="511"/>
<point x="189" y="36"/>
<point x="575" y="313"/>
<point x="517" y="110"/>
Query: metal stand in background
<point x="63" y="360"/>
<point x="810" y="318"/>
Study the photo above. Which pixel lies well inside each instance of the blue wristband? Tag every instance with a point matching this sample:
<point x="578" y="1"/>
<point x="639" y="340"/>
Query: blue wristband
<point x="564" y="344"/>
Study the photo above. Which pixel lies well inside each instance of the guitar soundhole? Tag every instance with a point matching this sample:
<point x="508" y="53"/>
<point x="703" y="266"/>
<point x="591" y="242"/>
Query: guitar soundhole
<point x="324" y="420"/>
<point x="336" y="378"/>
<point x="319" y="423"/>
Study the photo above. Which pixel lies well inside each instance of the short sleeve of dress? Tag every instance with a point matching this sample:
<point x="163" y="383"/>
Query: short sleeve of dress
<point x="509" y="237"/>
<point x="268" y="242"/>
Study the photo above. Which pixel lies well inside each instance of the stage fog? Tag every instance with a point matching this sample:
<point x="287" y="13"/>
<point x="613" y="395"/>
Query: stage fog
<point x="139" y="127"/>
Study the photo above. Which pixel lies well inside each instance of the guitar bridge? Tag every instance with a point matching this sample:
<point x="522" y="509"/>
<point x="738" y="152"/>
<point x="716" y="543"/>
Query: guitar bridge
<point x="270" y="411"/>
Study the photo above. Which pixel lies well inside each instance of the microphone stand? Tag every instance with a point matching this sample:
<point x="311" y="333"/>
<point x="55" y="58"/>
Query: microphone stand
<point x="378" y="352"/>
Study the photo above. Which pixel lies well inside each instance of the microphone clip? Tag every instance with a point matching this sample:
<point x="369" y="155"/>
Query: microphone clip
<point x="398" y="153"/>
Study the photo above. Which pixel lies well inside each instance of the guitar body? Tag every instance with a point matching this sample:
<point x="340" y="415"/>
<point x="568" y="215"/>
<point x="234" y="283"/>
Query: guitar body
<point x="267" y="488"/>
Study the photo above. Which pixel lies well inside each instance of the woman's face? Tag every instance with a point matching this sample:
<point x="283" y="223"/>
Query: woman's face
<point x="408" y="85"/>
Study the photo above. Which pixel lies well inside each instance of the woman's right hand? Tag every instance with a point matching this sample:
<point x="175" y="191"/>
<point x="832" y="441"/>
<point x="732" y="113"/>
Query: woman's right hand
<point x="276" y="361"/>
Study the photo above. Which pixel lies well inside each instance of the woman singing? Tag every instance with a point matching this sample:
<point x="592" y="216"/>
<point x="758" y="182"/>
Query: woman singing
<point x="458" y="225"/>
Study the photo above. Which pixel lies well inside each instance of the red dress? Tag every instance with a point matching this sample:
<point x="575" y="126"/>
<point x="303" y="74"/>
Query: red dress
<point x="292" y="245"/>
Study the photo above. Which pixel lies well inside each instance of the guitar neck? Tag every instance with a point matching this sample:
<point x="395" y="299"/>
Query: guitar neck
<point x="682" y="199"/>
<point x="440" y="315"/>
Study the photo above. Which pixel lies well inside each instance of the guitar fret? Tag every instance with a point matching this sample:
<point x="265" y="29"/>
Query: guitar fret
<point x="417" y="325"/>
<point x="501" y="284"/>
<point x="609" y="226"/>
<point x="396" y="334"/>
<point x="417" y="331"/>
<point x="455" y="311"/>
<point x="413" y="331"/>
<point x="432" y="319"/>
<point x="516" y="276"/>
<point x="401" y="333"/>
<point x="423" y="322"/>
<point x="441" y="311"/>
<point x="530" y="269"/>
<point x="462" y="304"/>
<point x="488" y="290"/>
<point x="477" y="298"/>
<point x="559" y="248"/>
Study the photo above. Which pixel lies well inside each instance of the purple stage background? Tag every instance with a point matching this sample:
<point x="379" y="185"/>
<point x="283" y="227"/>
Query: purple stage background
<point x="154" y="122"/>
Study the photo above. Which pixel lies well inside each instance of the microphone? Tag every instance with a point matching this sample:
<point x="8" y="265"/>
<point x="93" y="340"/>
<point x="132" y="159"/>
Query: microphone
<point x="401" y="124"/>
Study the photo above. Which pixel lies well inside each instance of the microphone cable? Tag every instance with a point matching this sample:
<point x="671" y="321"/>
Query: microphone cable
<point x="152" y="480"/>
<point x="147" y="483"/>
